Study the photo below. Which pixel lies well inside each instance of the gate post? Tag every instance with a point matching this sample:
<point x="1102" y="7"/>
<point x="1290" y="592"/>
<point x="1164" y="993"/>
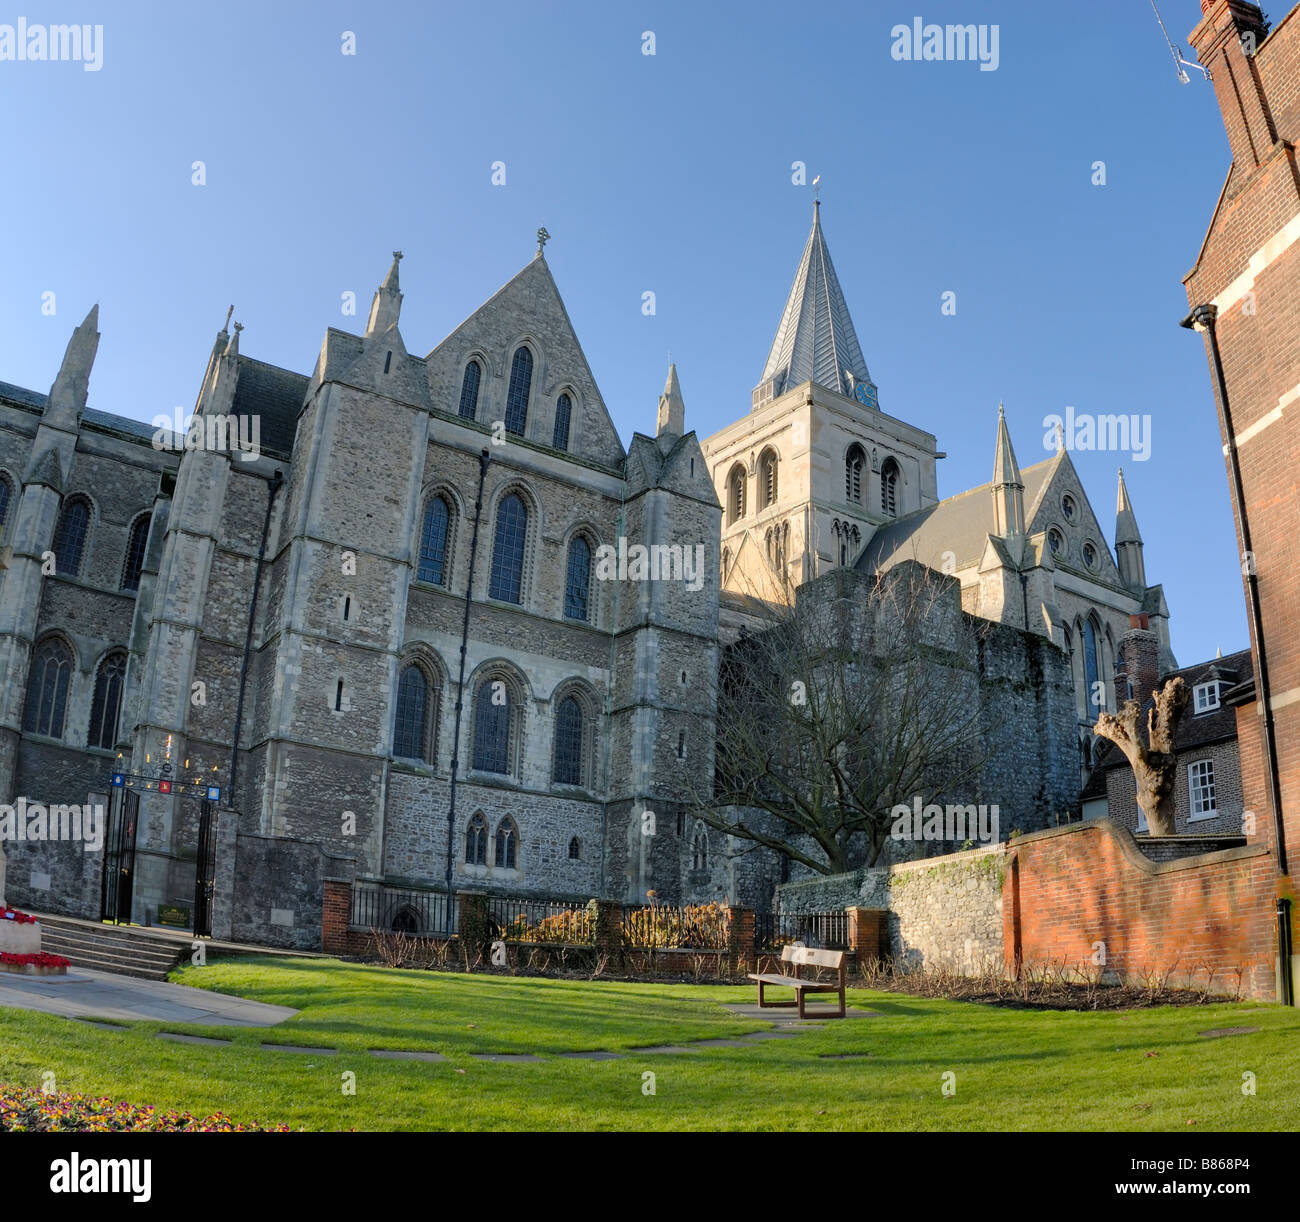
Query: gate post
<point x="223" y="874"/>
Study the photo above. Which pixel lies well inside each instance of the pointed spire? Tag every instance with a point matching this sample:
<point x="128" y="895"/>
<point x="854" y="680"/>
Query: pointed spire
<point x="815" y="341"/>
<point x="68" y="394"/>
<point x="1005" y="468"/>
<point x="1128" y="541"/>
<point x="1126" y="527"/>
<point x="1007" y="487"/>
<point x="672" y="410"/>
<point x="386" y="307"/>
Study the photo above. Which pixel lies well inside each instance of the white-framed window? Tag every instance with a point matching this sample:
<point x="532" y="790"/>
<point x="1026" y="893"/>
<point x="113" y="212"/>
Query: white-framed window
<point x="1200" y="789"/>
<point x="1205" y="697"/>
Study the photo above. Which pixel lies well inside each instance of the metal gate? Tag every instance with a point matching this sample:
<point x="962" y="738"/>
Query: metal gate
<point x="119" y="858"/>
<point x="204" y="871"/>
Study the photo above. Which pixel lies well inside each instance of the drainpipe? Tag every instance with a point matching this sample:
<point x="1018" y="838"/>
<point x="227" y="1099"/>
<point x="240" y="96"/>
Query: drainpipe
<point x="272" y="487"/>
<point x="485" y="456"/>
<point x="1205" y="317"/>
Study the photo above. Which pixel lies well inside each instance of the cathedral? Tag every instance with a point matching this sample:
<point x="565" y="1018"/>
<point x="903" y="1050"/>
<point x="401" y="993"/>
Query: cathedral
<point x="354" y="625"/>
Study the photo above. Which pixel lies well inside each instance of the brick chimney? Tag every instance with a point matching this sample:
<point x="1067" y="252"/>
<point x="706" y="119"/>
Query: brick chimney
<point x="1225" y="43"/>
<point x="1139" y="662"/>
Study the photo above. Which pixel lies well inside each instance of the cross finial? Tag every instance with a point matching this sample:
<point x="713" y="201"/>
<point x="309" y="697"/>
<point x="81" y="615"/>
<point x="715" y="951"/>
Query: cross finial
<point x="239" y="326"/>
<point x="1060" y="438"/>
<point x="397" y="256"/>
<point x="542" y="238"/>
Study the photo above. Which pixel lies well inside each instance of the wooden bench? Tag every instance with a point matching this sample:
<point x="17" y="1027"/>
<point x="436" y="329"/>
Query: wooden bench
<point x="804" y="956"/>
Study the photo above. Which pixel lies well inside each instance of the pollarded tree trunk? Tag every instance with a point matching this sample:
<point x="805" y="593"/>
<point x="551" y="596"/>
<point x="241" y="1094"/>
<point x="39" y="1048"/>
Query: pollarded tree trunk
<point x="1153" y="762"/>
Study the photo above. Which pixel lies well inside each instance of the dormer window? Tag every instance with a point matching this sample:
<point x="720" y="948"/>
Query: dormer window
<point x="1205" y="697"/>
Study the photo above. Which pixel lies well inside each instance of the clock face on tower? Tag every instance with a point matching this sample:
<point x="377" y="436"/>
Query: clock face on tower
<point x="865" y="393"/>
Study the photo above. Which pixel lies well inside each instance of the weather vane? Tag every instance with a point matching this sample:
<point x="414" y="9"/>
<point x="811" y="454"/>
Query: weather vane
<point x="817" y="187"/>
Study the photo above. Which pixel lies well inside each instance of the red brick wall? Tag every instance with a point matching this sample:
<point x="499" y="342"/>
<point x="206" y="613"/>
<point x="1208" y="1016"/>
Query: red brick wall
<point x="1258" y="330"/>
<point x="1071" y="887"/>
<point x="336" y="906"/>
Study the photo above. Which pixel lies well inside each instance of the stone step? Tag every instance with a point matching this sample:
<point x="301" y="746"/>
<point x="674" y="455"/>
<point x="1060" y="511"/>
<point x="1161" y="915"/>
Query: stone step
<point x="118" y="967"/>
<point x="111" y="948"/>
<point x="82" y="950"/>
<point x="79" y="937"/>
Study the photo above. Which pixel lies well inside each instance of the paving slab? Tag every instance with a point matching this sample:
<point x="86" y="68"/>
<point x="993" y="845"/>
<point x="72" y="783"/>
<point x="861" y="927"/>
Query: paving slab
<point x="178" y="1038"/>
<point x="320" y="1052"/>
<point x="506" y="1058"/>
<point x="1218" y="1032"/>
<point x="591" y="1056"/>
<point x="403" y="1054"/>
<point x="86" y="993"/>
<point x="661" y="1050"/>
<point x="790" y="1017"/>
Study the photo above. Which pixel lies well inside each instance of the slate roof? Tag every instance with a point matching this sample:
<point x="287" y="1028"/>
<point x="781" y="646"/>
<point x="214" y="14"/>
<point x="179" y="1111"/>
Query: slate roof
<point x="264" y="390"/>
<point x="961" y="525"/>
<point x="276" y="395"/>
<point x="22" y="396"/>
<point x="815" y="341"/>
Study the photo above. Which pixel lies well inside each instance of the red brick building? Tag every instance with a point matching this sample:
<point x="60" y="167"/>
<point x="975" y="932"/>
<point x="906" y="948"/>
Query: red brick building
<point x="1244" y="290"/>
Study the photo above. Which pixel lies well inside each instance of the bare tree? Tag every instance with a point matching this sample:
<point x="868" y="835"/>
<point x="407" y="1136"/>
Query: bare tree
<point x="858" y="695"/>
<point x="1155" y="767"/>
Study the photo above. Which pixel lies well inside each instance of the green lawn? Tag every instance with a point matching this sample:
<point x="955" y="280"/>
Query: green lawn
<point x="1140" y="1070"/>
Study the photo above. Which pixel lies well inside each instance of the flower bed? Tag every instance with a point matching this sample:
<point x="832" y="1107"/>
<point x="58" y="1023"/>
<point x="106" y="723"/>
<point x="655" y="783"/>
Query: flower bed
<point x="30" y="1111"/>
<point x="40" y="964"/>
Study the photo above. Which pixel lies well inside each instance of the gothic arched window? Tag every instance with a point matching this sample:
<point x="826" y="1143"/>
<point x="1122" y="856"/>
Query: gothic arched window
<point x="854" y="461"/>
<point x="135" y="546"/>
<point x="469" y="390"/>
<point x="433" y="541"/>
<point x="767" y="479"/>
<point x="508" y="550"/>
<point x="889" y="488"/>
<point x="476" y="836"/>
<point x="577" y="579"/>
<point x="521" y="380"/>
<point x="492" y="727"/>
<point x="563" y="412"/>
<point x="411" y="718"/>
<point x="575" y="849"/>
<point x="507" y="838"/>
<point x="70" y="537"/>
<point x="568" y="742"/>
<point x="106" y="704"/>
<point x="700" y="849"/>
<point x="1091" y="669"/>
<point x="47" y="690"/>
<point x="735" y="494"/>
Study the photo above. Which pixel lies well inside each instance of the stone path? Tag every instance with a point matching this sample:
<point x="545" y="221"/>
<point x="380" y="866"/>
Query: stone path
<point x="99" y="998"/>
<point x="84" y="993"/>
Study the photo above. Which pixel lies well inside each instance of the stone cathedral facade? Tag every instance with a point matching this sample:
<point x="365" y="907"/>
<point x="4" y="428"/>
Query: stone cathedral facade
<point x="375" y="645"/>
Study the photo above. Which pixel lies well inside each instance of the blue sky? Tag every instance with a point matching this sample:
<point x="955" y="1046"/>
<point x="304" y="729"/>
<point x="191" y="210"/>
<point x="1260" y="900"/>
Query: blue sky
<point x="670" y="174"/>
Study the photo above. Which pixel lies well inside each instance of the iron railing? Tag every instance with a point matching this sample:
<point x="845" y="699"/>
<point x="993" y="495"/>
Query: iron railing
<point x="693" y="926"/>
<point x="828" y="930"/>
<point x="531" y="920"/>
<point x="422" y="913"/>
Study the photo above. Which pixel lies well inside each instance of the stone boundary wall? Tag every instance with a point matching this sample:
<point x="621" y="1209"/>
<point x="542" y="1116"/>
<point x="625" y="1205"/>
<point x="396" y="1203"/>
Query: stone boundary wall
<point x="946" y="912"/>
<point x="1050" y="897"/>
